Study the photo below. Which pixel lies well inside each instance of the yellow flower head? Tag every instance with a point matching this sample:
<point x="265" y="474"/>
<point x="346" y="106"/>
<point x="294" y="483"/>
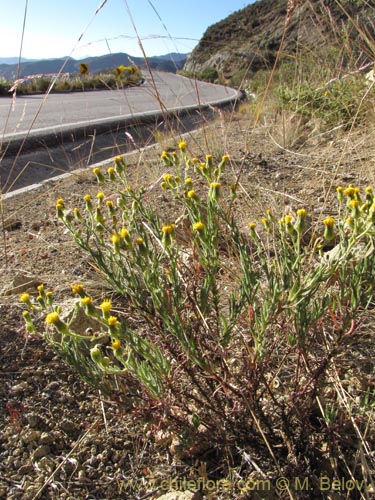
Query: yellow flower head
<point x="106" y="306"/>
<point x="100" y="195"/>
<point x="40" y="288"/>
<point x="329" y="234"/>
<point x="113" y="321"/>
<point x="182" y="145"/>
<point x="167" y="178"/>
<point x="116" y="344"/>
<point x="167" y="229"/>
<point x="124" y="233"/>
<point x="77" y="288"/>
<point x="139" y="241"/>
<point x="288" y="219"/>
<point x="115" y="238"/>
<point x="86" y="301"/>
<point x="349" y="221"/>
<point x="301" y="212"/>
<point x="24" y="297"/>
<point x="329" y="222"/>
<point x="225" y="158"/>
<point x="110" y="171"/>
<point x="354" y="203"/>
<point x="96" y="170"/>
<point x="87" y="197"/>
<point x="164" y="155"/>
<point x="252" y="225"/>
<point x="215" y="185"/>
<point x="52" y="318"/>
<point x="368" y="190"/>
<point x="191" y="194"/>
<point x="109" y="204"/>
<point x="188" y="180"/>
<point x="60" y="206"/>
<point x="351" y="191"/>
<point x="198" y="226"/>
<point x="118" y="159"/>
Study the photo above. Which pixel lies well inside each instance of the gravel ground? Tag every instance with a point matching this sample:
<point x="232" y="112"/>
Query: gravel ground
<point x="60" y="438"/>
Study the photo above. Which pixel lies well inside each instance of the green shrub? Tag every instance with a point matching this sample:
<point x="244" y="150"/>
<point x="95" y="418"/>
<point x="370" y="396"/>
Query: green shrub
<point x="337" y="103"/>
<point x="5" y="85"/>
<point x="131" y="76"/>
<point x="229" y="336"/>
<point x="209" y="75"/>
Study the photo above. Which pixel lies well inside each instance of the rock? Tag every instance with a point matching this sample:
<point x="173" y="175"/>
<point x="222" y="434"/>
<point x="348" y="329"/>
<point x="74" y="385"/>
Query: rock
<point x="47" y="464"/>
<point x="46" y="438"/>
<point x="25" y="469"/>
<point x="77" y="319"/>
<point x="52" y="386"/>
<point x="163" y="438"/>
<point x="31" y="436"/>
<point x="68" y="426"/>
<point x="176" y="448"/>
<point x="82" y="476"/>
<point x="12" y="224"/>
<point x="350" y="176"/>
<point x="22" y="386"/>
<point x="41" y="452"/>
<point x="36" y="421"/>
<point x="22" y="283"/>
<point x="70" y="466"/>
<point x="181" y="495"/>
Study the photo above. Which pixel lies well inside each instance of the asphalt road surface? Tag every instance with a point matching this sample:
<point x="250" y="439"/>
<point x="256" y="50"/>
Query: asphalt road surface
<point x="44" y="136"/>
<point x="39" y="114"/>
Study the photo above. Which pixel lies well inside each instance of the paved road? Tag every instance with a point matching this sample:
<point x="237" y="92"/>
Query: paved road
<point x="43" y="137"/>
<point x="65" y="111"/>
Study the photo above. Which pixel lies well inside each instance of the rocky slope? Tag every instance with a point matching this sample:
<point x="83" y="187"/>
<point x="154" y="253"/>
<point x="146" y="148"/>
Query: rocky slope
<point x="248" y="40"/>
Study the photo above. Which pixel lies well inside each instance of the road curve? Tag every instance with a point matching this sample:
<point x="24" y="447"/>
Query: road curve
<point x="38" y="115"/>
<point x="43" y="136"/>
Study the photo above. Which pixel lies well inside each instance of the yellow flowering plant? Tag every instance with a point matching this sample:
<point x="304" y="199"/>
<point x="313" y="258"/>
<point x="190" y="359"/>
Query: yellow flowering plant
<point x="214" y="313"/>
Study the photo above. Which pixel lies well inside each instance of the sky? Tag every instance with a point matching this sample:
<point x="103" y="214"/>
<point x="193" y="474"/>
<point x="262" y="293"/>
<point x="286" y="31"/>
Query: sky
<point x="53" y="27"/>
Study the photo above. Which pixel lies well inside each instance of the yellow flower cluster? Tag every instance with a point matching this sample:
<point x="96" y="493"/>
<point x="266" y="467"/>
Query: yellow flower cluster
<point x="198" y="226"/>
<point x="106" y="306"/>
<point x="168" y="229"/>
<point x="52" y="318"/>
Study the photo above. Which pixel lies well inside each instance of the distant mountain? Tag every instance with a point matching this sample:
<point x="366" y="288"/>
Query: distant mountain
<point x="169" y="62"/>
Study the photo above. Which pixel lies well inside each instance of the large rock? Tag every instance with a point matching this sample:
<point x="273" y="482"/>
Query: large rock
<point x="181" y="495"/>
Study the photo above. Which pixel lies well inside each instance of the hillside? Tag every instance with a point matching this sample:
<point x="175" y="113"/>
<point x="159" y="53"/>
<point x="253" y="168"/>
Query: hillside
<point x="248" y="40"/>
<point x="168" y="62"/>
